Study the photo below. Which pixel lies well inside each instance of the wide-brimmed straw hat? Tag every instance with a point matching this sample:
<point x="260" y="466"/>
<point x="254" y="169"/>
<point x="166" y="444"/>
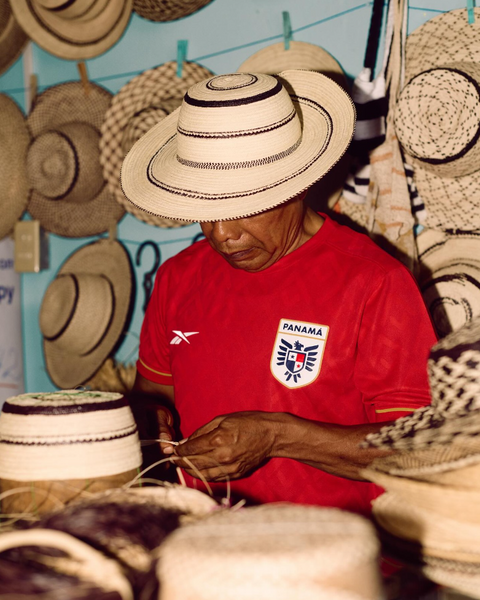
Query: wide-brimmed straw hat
<point x="12" y="37"/>
<point x="74" y="30"/>
<point x="167" y="10"/>
<point x="272" y="551"/>
<point x="85" y="311"/>
<point x="454" y="414"/>
<point x="139" y="105"/>
<point x="69" y="195"/>
<point x="274" y="59"/>
<point x="14" y="142"/>
<point x="69" y="434"/>
<point x="449" y="277"/>
<point x="240" y="144"/>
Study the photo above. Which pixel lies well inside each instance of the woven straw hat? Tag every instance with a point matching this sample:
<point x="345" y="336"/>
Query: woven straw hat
<point x="12" y="37"/>
<point x="14" y="141"/>
<point x="240" y="144"/>
<point x="69" y="195"/>
<point x="450" y="277"/>
<point x="74" y="30"/>
<point x="274" y="59"/>
<point x="85" y="311"/>
<point x="143" y="102"/>
<point x="265" y="552"/>
<point x="69" y="434"/>
<point x="95" y="571"/>
<point x="454" y="376"/>
<point x="167" y="10"/>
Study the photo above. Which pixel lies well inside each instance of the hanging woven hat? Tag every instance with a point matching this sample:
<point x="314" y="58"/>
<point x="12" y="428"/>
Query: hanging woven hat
<point x="272" y="551"/>
<point x="143" y="102"/>
<point x="240" y="144"/>
<point x="85" y="311"/>
<point x="74" y="30"/>
<point x="274" y="59"/>
<point x="167" y="10"/>
<point x="14" y="141"/>
<point x="68" y="193"/>
<point x="12" y="37"/>
<point x="454" y="414"/>
<point x="449" y="277"/>
<point x="63" y="443"/>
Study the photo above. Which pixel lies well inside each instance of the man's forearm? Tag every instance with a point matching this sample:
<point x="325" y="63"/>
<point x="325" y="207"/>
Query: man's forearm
<point x="330" y="447"/>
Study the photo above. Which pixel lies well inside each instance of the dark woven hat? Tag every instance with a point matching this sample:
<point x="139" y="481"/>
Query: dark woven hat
<point x="12" y="37"/>
<point x="167" y="10"/>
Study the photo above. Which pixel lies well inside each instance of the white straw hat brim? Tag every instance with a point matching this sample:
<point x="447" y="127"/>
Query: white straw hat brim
<point x="73" y="39"/>
<point x="154" y="180"/>
<point x="110" y="259"/>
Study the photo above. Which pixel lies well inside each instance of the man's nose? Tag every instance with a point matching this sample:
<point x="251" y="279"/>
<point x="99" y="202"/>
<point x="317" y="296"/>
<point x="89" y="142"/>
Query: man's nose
<point x="222" y="231"/>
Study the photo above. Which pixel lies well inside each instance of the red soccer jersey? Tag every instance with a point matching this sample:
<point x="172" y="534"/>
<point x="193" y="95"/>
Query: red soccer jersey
<point x="335" y="331"/>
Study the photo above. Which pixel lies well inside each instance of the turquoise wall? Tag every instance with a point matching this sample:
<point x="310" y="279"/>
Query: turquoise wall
<point x="220" y="37"/>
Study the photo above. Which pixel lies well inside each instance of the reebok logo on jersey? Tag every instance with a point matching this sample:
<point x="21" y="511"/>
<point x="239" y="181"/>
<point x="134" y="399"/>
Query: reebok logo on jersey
<point x="182" y="337"/>
<point x="298" y="352"/>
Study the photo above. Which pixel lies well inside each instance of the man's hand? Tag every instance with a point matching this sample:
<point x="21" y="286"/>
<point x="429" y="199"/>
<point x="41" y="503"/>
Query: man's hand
<point x="230" y="446"/>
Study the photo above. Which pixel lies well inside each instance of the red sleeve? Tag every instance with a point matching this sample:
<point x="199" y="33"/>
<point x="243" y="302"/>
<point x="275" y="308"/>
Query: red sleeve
<point x="395" y="339"/>
<point x="154" y="353"/>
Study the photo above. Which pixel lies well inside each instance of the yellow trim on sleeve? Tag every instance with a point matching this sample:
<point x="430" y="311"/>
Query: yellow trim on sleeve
<point x="386" y="410"/>
<point x="153" y="370"/>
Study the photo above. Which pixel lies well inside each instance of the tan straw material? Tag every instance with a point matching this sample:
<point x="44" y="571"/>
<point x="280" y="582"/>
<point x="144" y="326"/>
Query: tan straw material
<point x="83" y="561"/>
<point x="240" y="144"/>
<point x="81" y="30"/>
<point x="167" y="10"/>
<point x="69" y="195"/>
<point x="12" y="37"/>
<point x="143" y="102"/>
<point x="14" y="142"/>
<point x="85" y="311"/>
<point x="259" y="552"/>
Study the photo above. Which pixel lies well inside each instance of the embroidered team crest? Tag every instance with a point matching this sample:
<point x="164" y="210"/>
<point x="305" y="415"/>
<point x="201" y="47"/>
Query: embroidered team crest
<point x="298" y="352"/>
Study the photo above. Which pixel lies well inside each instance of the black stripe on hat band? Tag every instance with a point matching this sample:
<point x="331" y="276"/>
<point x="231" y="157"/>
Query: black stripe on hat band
<point x="70" y="409"/>
<point x="246" y="164"/>
<point x="63" y="6"/>
<point x="72" y="312"/>
<point x="236" y="102"/>
<point x="239" y="133"/>
<point x="109" y="438"/>
<point x="77" y="168"/>
<point x="110" y="319"/>
<point x="473" y="141"/>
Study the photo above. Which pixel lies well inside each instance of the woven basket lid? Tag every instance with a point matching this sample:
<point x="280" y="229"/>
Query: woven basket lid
<point x="167" y="10"/>
<point x="144" y="101"/>
<point x="14" y="142"/>
<point x="76" y="202"/>
<point x="12" y="37"/>
<point x="68" y="434"/>
<point x="261" y="551"/>
<point x="85" y="311"/>
<point x="74" y="30"/>
<point x="79" y="560"/>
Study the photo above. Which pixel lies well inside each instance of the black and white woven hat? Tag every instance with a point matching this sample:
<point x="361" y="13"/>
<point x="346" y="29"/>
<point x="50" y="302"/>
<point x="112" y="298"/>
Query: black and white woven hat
<point x="454" y="414"/>
<point x="240" y="144"/>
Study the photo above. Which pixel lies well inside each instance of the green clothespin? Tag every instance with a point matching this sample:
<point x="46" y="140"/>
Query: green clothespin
<point x="182" y="47"/>
<point x="287" y="29"/>
<point x="471" y="12"/>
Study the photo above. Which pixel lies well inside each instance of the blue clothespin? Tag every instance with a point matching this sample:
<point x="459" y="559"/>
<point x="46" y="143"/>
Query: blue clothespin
<point x="287" y="29"/>
<point x="182" y="46"/>
<point x="471" y="12"/>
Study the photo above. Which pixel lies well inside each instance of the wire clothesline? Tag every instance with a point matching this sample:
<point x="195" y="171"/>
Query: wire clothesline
<point x="131" y="74"/>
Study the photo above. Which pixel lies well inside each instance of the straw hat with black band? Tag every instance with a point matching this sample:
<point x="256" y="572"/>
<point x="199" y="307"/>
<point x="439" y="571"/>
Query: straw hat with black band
<point x="12" y="37"/>
<point x="437" y="117"/>
<point x="85" y="311"/>
<point x="240" y="144"/>
<point x="139" y="105"/>
<point x="14" y="142"/>
<point x="68" y="193"/>
<point x="167" y="10"/>
<point x="74" y="30"/>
